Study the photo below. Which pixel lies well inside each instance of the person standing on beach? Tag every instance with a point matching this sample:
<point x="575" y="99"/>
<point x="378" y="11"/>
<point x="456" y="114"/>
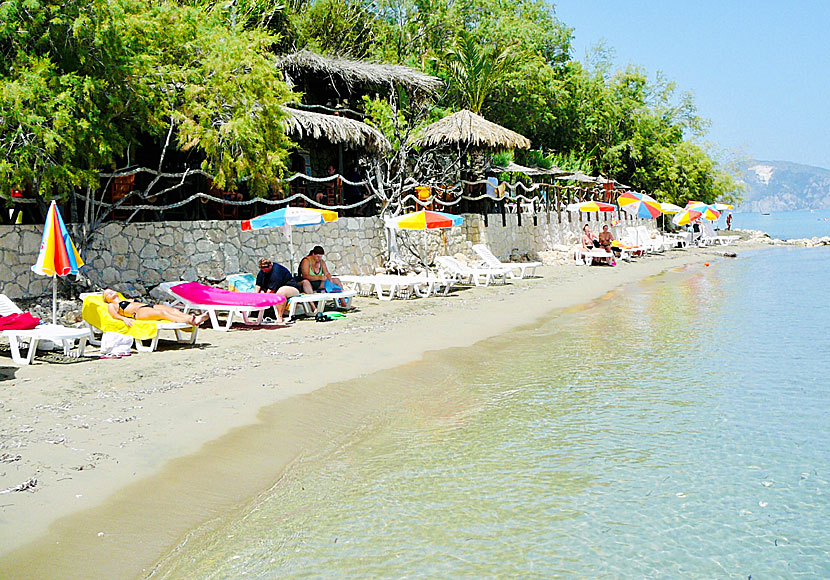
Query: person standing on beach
<point x="729" y="222"/>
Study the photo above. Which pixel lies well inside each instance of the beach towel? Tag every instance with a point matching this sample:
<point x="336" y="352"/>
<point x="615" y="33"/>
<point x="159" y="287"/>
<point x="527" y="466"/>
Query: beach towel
<point x="196" y="293"/>
<point x="242" y="282"/>
<point x="95" y="312"/>
<point x="19" y="321"/>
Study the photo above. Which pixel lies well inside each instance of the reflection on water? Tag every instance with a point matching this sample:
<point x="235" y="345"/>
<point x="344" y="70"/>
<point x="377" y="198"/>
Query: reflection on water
<point x="674" y="429"/>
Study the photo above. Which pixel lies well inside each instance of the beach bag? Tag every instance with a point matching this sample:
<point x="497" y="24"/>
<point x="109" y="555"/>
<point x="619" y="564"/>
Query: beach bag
<point x="330" y="286"/>
<point x="116" y="344"/>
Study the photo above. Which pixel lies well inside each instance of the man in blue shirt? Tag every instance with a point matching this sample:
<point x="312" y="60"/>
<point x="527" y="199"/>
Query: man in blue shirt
<point x="277" y="279"/>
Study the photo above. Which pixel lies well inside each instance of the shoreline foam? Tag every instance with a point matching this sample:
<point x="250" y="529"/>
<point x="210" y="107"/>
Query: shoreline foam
<point x="173" y="435"/>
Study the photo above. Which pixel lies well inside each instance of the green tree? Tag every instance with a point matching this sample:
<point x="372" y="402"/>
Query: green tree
<point x="473" y="71"/>
<point x="82" y="83"/>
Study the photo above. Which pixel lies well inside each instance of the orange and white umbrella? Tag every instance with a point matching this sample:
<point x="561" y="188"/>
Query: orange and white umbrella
<point x="58" y="255"/>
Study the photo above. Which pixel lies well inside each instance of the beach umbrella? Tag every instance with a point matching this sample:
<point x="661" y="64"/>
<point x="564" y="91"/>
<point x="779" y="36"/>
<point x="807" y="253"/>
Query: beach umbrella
<point x="422" y="220"/>
<point x="722" y="206"/>
<point x="695" y="211"/>
<point x="639" y="205"/>
<point x="591" y="206"/>
<point x="287" y="217"/>
<point x="58" y="255"/>
<point x="670" y="208"/>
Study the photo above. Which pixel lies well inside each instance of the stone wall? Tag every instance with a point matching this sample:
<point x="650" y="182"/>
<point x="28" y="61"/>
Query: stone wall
<point x="136" y="257"/>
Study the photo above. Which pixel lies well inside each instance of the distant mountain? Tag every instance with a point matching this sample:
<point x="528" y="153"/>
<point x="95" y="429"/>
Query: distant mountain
<point x="781" y="185"/>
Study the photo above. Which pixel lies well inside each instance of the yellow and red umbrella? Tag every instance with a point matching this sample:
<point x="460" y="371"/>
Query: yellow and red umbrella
<point x="592" y="206"/>
<point x="639" y="205"/>
<point x="425" y="220"/>
<point x="58" y="255"/>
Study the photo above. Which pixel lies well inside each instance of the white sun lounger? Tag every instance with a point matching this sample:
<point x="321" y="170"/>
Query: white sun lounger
<point x="479" y="276"/>
<point x="317" y="298"/>
<point x="390" y="286"/>
<point x="524" y="268"/>
<point x="18" y="339"/>
<point x="230" y="312"/>
<point x="708" y="234"/>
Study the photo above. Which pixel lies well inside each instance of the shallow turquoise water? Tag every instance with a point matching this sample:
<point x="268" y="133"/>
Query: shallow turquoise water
<point x="677" y="428"/>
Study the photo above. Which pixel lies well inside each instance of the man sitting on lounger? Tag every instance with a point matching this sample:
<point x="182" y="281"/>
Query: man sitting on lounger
<point x="129" y="310"/>
<point x="277" y="279"/>
<point x="606" y="240"/>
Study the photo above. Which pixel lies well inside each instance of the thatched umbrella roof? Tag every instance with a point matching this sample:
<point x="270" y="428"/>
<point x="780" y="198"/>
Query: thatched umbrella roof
<point x="355" y="72"/>
<point x="467" y="128"/>
<point x="338" y="130"/>
<point x="578" y="176"/>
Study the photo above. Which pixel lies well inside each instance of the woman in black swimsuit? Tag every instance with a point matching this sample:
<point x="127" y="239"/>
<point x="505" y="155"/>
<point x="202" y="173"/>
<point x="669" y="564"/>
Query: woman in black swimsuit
<point x="129" y="310"/>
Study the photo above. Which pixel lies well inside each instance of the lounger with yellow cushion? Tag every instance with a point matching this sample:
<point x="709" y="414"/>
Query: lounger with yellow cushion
<point x="146" y="332"/>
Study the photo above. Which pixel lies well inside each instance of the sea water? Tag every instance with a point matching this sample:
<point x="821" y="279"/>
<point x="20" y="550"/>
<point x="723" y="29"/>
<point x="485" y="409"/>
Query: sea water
<point x="676" y="428"/>
<point x="784" y="225"/>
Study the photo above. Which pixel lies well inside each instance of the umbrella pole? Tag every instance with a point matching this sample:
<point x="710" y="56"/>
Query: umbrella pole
<point x="54" y="299"/>
<point x="291" y="248"/>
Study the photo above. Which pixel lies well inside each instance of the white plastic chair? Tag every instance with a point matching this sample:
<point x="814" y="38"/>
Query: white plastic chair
<point x="492" y="261"/>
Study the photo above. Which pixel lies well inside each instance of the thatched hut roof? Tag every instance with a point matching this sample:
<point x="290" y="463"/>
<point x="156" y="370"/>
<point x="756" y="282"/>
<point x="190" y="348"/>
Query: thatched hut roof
<point x="338" y="130"/>
<point x="529" y="171"/>
<point x="467" y="128"/>
<point x="355" y="72"/>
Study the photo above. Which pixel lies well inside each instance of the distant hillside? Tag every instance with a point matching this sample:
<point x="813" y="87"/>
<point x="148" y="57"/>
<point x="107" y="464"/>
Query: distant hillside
<point x="781" y="185"/>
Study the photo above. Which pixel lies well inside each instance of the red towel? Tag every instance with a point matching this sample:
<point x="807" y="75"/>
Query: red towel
<point x="196" y="293"/>
<point x="19" y="321"/>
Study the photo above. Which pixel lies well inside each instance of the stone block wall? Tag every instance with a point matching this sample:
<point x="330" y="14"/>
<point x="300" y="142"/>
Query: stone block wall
<point x="136" y="257"/>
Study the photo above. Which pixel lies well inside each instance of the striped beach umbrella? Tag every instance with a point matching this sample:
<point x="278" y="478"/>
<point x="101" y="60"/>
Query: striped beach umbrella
<point x="639" y="205"/>
<point x="290" y="216"/>
<point x="287" y="217"/>
<point x="591" y="206"/>
<point x="424" y="220"/>
<point x="58" y="255"/>
<point x="695" y="211"/>
<point x="670" y="208"/>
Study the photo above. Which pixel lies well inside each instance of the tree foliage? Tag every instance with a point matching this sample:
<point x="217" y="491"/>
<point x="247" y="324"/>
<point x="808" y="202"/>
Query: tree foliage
<point x="81" y="82"/>
<point x="84" y="82"/>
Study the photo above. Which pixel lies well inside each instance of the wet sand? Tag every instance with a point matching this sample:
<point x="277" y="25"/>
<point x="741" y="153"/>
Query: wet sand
<point x="131" y="454"/>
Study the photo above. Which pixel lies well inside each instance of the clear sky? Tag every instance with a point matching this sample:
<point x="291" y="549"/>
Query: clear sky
<point x="759" y="71"/>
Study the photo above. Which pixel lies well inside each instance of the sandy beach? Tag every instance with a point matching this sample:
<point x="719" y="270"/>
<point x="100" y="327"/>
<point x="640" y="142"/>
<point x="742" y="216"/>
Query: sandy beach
<point x="130" y="454"/>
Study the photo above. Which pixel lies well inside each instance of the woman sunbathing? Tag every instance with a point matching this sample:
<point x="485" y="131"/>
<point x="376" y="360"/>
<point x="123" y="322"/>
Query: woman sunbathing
<point x="129" y="310"/>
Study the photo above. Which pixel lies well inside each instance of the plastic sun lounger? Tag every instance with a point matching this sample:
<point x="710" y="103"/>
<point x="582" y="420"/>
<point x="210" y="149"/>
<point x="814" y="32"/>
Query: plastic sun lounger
<point x="588" y="257"/>
<point x="710" y="236"/>
<point x="493" y="262"/>
<point x="475" y="275"/>
<point x="385" y="286"/>
<point x="145" y="332"/>
<point x="216" y="301"/>
<point x="52" y="332"/>
<point x="318" y="298"/>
